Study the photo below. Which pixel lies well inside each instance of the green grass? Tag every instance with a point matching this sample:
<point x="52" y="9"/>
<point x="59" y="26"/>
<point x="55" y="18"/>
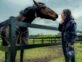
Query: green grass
<point x="78" y="52"/>
<point x="47" y="54"/>
<point x="51" y="53"/>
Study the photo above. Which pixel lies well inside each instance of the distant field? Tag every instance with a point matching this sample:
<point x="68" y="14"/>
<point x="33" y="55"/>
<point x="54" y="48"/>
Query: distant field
<point x="47" y="54"/>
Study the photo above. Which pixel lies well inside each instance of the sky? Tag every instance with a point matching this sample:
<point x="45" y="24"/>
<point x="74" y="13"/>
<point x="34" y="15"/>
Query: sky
<point x="13" y="7"/>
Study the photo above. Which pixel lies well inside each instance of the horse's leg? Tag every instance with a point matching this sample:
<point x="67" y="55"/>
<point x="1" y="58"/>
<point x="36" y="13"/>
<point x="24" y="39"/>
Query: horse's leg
<point x="25" y="37"/>
<point x="24" y="40"/>
<point x="5" y="36"/>
<point x="6" y="56"/>
<point x="5" y="42"/>
<point x="22" y="51"/>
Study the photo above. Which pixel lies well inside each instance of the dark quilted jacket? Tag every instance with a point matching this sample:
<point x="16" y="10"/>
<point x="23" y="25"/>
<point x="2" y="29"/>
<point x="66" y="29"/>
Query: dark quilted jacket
<point x="68" y="30"/>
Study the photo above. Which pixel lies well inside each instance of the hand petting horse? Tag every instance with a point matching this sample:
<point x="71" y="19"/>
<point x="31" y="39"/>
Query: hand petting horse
<point x="38" y="9"/>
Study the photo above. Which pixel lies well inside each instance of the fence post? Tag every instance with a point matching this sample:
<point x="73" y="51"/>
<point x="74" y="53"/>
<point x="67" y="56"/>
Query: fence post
<point x="55" y="39"/>
<point x="12" y="35"/>
<point x="42" y="41"/>
<point x="50" y="40"/>
<point x="33" y="41"/>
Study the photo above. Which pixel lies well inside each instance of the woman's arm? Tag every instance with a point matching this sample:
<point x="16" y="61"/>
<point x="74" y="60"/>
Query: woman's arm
<point x="72" y="33"/>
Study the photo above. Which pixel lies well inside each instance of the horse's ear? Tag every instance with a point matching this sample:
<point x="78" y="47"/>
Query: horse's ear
<point x="35" y="3"/>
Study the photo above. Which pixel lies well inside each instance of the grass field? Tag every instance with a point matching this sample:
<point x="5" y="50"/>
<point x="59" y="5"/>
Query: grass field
<point x="46" y="54"/>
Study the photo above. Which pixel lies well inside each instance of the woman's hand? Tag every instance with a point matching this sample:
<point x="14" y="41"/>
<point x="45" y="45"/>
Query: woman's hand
<point x="70" y="45"/>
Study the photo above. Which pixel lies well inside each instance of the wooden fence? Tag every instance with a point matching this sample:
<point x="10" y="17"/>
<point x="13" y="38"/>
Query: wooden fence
<point x="12" y="38"/>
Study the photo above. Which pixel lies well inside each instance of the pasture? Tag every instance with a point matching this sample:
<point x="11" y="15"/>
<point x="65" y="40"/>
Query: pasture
<point x="46" y="54"/>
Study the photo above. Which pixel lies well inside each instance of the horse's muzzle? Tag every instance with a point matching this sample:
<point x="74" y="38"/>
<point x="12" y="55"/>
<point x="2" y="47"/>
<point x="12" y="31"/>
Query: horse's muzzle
<point x="55" y="17"/>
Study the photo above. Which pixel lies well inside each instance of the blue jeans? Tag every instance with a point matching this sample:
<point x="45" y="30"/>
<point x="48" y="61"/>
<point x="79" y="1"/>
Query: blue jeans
<point x="66" y="50"/>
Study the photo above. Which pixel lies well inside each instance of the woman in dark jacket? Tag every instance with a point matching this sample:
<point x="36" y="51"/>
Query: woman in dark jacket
<point x="68" y="30"/>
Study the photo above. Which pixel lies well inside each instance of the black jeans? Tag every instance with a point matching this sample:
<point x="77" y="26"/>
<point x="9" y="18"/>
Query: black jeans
<point x="66" y="50"/>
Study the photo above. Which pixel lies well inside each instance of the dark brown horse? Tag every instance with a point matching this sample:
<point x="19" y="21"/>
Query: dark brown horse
<point x="28" y="15"/>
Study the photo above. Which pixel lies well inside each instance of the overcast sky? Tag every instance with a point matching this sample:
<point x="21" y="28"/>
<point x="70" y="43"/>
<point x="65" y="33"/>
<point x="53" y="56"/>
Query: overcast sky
<point x="12" y="7"/>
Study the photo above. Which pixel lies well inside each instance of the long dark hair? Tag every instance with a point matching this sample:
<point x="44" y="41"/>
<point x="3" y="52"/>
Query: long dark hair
<point x="68" y="14"/>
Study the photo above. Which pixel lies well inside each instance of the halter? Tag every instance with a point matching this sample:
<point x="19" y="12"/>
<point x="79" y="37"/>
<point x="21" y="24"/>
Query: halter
<point x="34" y="9"/>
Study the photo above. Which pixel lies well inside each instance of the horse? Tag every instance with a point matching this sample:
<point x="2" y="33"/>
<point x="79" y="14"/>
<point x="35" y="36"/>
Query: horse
<point x="38" y="9"/>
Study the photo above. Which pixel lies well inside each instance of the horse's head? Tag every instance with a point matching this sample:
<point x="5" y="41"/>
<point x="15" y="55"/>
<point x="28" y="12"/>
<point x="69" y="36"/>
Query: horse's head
<point x="45" y="12"/>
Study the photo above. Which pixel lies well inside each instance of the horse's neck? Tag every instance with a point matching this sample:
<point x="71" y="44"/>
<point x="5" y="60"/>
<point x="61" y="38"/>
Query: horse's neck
<point x="30" y="14"/>
<point x="30" y="17"/>
<point x="28" y="20"/>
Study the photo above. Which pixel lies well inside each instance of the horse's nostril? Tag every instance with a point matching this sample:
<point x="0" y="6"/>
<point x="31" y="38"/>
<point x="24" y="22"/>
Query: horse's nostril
<point x="56" y="16"/>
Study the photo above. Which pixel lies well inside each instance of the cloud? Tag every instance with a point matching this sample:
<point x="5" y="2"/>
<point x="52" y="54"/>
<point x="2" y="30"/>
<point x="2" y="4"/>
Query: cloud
<point x="77" y="14"/>
<point x="20" y="2"/>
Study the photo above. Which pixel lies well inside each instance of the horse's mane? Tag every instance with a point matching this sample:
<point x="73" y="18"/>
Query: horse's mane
<point x="32" y="7"/>
<point x="40" y="3"/>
